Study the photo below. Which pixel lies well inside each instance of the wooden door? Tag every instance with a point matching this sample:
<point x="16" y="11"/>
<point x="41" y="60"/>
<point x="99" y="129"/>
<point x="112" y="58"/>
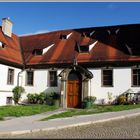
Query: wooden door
<point x="74" y="94"/>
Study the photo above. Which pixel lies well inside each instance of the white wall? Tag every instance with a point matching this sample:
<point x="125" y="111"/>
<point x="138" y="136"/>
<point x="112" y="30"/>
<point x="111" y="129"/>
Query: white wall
<point x="40" y="83"/>
<point x="5" y="89"/>
<point x="121" y="83"/>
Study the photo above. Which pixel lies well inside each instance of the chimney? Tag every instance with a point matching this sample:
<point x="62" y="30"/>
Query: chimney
<point x="7" y="26"/>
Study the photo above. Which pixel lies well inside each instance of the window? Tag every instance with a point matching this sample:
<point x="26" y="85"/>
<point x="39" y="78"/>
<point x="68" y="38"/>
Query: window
<point x="10" y="78"/>
<point x="53" y="78"/>
<point x="37" y="52"/>
<point x="84" y="49"/>
<point x="107" y="77"/>
<point x="63" y="36"/>
<point x="29" y="78"/>
<point x="9" y="100"/>
<point x="2" y="45"/>
<point x="85" y="34"/>
<point x="136" y="77"/>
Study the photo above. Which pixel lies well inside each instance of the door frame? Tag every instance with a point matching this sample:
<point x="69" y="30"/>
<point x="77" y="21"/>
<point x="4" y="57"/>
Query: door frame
<point x="79" y="79"/>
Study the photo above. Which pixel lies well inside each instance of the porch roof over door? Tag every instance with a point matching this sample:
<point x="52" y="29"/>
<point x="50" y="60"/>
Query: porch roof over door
<point x="83" y="71"/>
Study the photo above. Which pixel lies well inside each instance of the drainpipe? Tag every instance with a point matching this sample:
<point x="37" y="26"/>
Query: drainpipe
<point x="19" y="75"/>
<point x="90" y="87"/>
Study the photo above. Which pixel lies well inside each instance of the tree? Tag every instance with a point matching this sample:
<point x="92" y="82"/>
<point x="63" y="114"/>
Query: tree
<point x="17" y="91"/>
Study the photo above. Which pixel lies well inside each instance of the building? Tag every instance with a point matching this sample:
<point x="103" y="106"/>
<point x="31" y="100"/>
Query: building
<point x="76" y="63"/>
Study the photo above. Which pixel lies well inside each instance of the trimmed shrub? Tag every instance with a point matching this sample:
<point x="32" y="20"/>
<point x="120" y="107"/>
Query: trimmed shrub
<point x="17" y="91"/>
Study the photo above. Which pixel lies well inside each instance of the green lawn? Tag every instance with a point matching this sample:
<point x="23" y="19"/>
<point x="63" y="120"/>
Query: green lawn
<point x="20" y="110"/>
<point x="93" y="110"/>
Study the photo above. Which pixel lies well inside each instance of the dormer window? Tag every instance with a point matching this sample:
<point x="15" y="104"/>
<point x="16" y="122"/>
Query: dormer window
<point x="63" y="36"/>
<point x="37" y="52"/>
<point x="85" y="34"/>
<point x="84" y="49"/>
<point x="2" y="45"/>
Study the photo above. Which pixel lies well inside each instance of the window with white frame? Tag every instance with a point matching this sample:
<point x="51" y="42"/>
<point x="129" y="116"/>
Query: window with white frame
<point x="10" y="76"/>
<point x="52" y="78"/>
<point x="107" y="77"/>
<point x="136" y="77"/>
<point x="29" y="78"/>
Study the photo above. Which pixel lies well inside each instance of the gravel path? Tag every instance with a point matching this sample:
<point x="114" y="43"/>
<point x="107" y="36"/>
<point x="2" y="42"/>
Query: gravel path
<point x="123" y="128"/>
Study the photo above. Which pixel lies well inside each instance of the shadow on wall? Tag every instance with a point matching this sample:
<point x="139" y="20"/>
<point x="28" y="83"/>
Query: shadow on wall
<point x="56" y="89"/>
<point x="52" y="89"/>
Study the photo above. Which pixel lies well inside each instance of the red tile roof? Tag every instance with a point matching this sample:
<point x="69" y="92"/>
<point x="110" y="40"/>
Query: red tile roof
<point x="110" y="47"/>
<point x="113" y="43"/>
<point x="12" y="51"/>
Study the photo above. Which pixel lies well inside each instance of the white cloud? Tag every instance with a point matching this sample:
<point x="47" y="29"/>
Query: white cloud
<point x="38" y="32"/>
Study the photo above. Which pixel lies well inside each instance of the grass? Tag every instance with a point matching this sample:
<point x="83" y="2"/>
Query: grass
<point x="20" y="110"/>
<point x="93" y="110"/>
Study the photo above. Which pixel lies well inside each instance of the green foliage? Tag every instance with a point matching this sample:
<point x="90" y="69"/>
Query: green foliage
<point x="42" y="98"/>
<point x="51" y="98"/>
<point x="52" y="95"/>
<point x="20" y="110"/>
<point x="17" y="91"/>
<point x="94" y="110"/>
<point x="35" y="98"/>
<point x="30" y="97"/>
<point x="90" y="99"/>
<point x="55" y="96"/>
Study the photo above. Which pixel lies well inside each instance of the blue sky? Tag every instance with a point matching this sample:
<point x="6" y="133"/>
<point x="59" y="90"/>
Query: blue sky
<point x="36" y="17"/>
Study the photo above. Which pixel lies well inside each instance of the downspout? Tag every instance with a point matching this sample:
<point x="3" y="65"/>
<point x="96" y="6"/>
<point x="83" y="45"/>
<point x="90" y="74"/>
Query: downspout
<point x="19" y="75"/>
<point x="90" y="87"/>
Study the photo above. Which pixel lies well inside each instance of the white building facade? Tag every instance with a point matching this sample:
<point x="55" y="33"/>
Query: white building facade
<point x="74" y="63"/>
<point x="122" y="80"/>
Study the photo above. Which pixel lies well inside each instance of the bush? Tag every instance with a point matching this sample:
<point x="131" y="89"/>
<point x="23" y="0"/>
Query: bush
<point x="17" y="91"/>
<point x="51" y="98"/>
<point x="33" y="98"/>
<point x="121" y="100"/>
<point x="30" y="97"/>
<point x="42" y="98"/>
<point x="90" y="99"/>
<point x="56" y="96"/>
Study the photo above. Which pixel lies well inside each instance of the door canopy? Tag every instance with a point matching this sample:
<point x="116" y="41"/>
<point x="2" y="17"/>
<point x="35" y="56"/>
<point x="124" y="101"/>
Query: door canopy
<point x="86" y="74"/>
